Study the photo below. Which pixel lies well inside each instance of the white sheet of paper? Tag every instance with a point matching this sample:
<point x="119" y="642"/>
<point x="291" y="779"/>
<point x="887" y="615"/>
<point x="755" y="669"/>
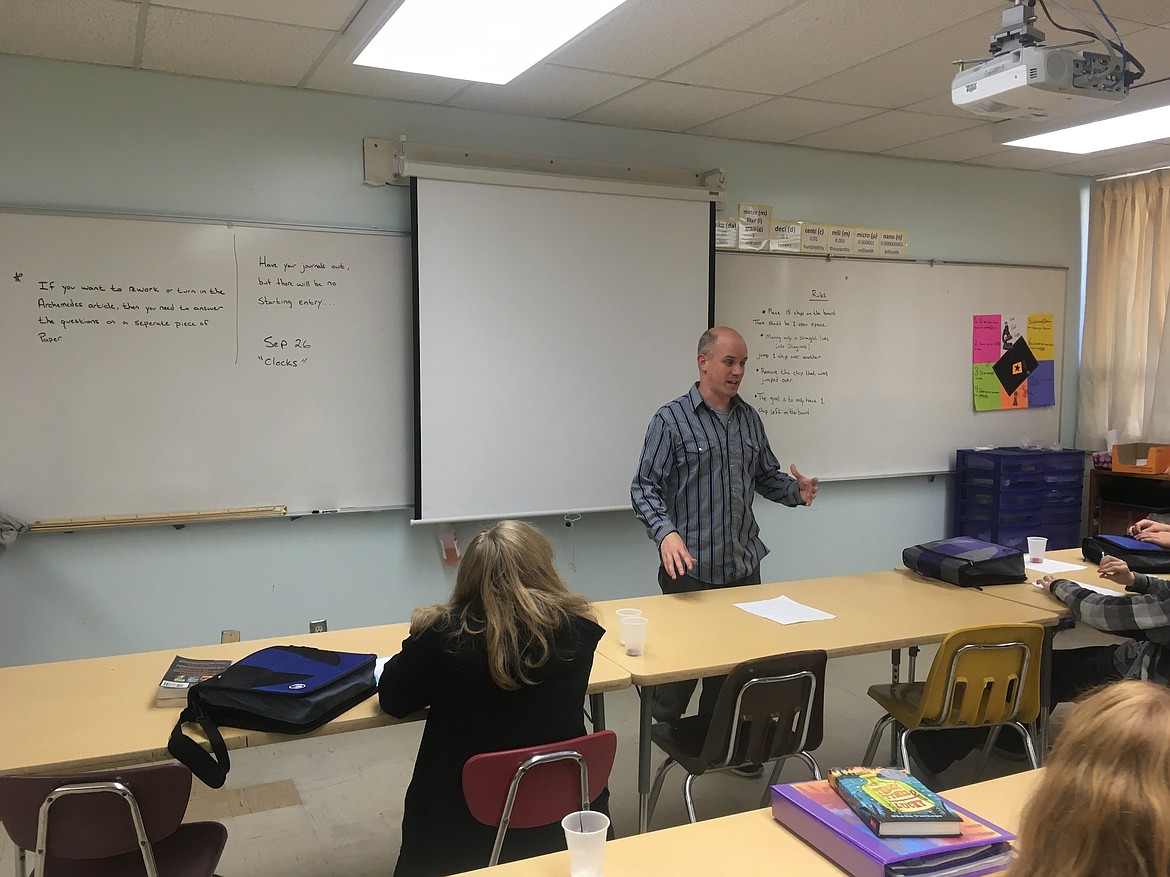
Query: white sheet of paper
<point x="378" y="665"/>
<point x="1108" y="592"/>
<point x="1051" y="566"/>
<point x="784" y="610"/>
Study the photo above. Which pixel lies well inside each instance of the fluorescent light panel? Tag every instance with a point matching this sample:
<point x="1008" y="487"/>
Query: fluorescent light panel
<point x="479" y="40"/>
<point x="1125" y="130"/>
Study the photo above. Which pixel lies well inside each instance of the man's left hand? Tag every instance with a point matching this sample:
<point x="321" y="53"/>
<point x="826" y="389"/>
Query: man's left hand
<point x="808" y="486"/>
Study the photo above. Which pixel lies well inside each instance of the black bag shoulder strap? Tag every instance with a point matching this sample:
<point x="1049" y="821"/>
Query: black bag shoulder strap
<point x="210" y="767"/>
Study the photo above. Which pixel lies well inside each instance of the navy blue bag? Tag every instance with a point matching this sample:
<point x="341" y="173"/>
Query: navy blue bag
<point x="1139" y="556"/>
<point x="288" y="689"/>
<point x="967" y="562"/>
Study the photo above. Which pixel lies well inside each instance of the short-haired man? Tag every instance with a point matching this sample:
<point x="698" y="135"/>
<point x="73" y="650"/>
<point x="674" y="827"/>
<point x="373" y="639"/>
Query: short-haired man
<point x="704" y="459"/>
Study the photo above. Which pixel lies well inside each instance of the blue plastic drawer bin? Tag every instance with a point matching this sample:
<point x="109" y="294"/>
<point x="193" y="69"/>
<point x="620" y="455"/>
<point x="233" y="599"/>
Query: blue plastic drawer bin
<point x="1066" y="461"/>
<point x="1062" y="496"/>
<point x="1002" y="461"/>
<point x="1031" y="498"/>
<point x="1061" y="514"/>
<point x="985" y="515"/>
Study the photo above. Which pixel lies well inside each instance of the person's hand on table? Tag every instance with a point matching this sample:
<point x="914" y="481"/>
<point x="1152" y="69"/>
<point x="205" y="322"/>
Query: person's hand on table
<point x="676" y="560"/>
<point x="1146" y="524"/>
<point x="1045" y="581"/>
<point x="1158" y="535"/>
<point x="808" y="486"/>
<point x="1116" y="570"/>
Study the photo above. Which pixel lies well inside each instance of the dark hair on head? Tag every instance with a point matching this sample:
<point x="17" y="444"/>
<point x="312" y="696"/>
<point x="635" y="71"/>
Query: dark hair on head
<point x="707" y="341"/>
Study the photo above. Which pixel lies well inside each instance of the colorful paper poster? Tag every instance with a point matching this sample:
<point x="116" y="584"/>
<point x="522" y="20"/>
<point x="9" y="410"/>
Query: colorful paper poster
<point x="1012" y="361"/>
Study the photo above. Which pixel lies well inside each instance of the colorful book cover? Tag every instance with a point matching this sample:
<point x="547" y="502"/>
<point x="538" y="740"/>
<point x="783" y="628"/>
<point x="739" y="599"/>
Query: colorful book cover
<point x="893" y="803"/>
<point x="185" y="672"/>
<point x="815" y="812"/>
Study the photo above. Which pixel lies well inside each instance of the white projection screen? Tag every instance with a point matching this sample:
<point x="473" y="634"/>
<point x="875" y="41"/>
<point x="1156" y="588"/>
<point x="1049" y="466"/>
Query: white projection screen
<point x="550" y="326"/>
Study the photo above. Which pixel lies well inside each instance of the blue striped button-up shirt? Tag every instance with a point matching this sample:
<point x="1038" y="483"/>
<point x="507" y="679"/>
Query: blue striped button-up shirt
<point x="698" y="476"/>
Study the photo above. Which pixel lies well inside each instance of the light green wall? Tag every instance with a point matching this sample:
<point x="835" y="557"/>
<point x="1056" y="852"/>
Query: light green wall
<point x="103" y="139"/>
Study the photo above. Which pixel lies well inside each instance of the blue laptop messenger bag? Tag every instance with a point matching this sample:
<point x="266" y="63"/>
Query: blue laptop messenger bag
<point x="287" y="689"/>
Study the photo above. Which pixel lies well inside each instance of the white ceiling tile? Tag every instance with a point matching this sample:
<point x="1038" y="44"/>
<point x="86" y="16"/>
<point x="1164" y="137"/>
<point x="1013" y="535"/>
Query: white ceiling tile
<point x="547" y="90"/>
<point x="818" y="38"/>
<point x="914" y="72"/>
<point x="1151" y="46"/>
<point x="1144" y="11"/>
<point x="834" y="74"/>
<point x="958" y="146"/>
<point x="240" y="49"/>
<point x="648" y="37"/>
<point x="666" y="106"/>
<point x="885" y="131"/>
<point x="1119" y="161"/>
<point x="782" y="119"/>
<point x="323" y="14"/>
<point x="96" y="31"/>
<point x="1022" y="159"/>
<point x="939" y="105"/>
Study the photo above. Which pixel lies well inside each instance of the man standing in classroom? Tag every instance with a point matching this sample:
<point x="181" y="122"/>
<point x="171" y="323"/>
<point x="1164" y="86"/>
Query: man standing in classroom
<point x="704" y="458"/>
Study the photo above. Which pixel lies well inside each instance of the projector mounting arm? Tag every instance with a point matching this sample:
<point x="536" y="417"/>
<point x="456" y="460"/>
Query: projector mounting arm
<point x="1018" y="30"/>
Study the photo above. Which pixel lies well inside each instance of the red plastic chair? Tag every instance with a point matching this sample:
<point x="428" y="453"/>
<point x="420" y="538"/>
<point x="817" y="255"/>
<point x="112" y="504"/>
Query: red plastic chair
<point x="559" y="778"/>
<point x="125" y="822"/>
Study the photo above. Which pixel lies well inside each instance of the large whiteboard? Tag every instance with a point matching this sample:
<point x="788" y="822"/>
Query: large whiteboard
<point x="864" y="369"/>
<point x="154" y="367"/>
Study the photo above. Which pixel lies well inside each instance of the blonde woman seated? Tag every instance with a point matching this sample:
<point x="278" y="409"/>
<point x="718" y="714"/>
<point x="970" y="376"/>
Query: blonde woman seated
<point x="1103" y="806"/>
<point x="503" y="664"/>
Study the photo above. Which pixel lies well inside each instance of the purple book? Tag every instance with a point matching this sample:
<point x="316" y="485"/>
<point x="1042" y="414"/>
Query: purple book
<point x="814" y="812"/>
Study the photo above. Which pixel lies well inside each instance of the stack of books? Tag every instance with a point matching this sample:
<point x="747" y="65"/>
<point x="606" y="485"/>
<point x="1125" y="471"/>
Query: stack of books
<point x="880" y="822"/>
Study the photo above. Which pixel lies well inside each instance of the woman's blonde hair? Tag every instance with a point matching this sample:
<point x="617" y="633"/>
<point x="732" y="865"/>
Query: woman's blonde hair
<point x="508" y="590"/>
<point x="1102" y="808"/>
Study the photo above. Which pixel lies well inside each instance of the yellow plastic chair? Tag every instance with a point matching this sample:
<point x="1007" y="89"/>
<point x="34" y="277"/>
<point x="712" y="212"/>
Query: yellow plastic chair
<point x="982" y="677"/>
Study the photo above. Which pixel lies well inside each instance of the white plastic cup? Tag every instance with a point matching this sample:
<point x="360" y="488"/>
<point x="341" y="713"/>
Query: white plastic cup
<point x="1036" y="548"/>
<point x="625" y="613"/>
<point x="633" y="635"/>
<point x="585" y="834"/>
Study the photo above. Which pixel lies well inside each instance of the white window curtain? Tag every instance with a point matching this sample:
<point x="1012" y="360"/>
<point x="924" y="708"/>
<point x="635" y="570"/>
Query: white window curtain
<point x="1125" y="345"/>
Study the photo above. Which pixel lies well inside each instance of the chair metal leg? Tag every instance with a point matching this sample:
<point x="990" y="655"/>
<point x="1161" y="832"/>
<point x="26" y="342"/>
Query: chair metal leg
<point x="1033" y="756"/>
<point x="659" y="777"/>
<point x="902" y="750"/>
<point x="775" y="775"/>
<point x="690" y="801"/>
<point x="875" y="738"/>
<point x="807" y="758"/>
<point x="895" y="673"/>
<point x="992" y="736"/>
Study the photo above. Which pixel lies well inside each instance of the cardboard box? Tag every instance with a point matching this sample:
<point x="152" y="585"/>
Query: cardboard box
<point x="1149" y="459"/>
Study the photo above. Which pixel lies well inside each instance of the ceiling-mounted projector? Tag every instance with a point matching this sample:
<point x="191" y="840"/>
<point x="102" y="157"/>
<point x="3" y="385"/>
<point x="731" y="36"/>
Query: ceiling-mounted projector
<point x="1039" y="82"/>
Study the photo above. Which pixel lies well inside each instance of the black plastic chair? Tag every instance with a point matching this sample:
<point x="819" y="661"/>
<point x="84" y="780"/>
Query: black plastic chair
<point x="125" y="822"/>
<point x="769" y="709"/>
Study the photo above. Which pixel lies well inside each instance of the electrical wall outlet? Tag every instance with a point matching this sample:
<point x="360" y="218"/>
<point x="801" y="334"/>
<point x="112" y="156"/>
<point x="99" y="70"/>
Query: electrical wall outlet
<point x="318" y="626"/>
<point x="229" y="636"/>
